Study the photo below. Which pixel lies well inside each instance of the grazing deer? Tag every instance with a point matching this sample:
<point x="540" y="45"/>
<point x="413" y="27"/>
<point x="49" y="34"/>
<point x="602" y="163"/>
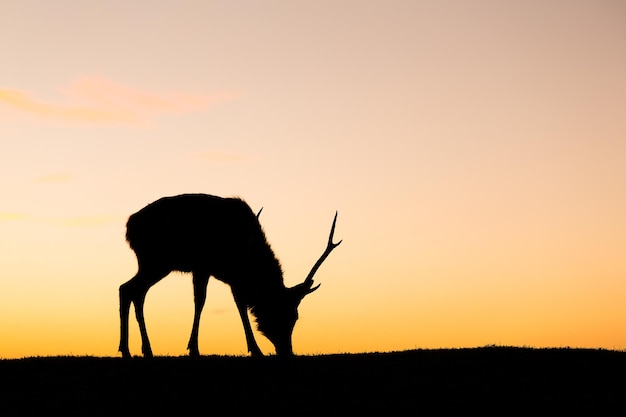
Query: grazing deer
<point x="213" y="236"/>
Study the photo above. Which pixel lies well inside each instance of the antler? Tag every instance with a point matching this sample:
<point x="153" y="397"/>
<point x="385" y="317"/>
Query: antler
<point x="308" y="282"/>
<point x="259" y="213"/>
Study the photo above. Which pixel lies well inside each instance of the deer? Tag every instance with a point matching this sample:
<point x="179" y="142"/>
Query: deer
<point x="207" y="235"/>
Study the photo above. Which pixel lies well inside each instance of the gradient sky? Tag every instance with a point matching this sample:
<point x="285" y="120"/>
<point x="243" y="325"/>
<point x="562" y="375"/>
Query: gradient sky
<point x="475" y="150"/>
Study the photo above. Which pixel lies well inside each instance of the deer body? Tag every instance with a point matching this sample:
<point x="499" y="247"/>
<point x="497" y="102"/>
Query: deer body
<point x="211" y="236"/>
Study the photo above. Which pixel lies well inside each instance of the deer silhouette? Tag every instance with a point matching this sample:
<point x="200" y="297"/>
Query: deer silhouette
<point x="220" y="237"/>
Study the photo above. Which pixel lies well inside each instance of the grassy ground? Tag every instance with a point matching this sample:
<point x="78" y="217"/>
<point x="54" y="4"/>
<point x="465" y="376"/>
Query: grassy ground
<point x="481" y="381"/>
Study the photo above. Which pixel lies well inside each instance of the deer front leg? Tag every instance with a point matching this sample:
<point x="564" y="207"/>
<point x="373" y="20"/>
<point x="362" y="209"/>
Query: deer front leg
<point x="200" y="282"/>
<point x="146" y="349"/>
<point x="253" y="348"/>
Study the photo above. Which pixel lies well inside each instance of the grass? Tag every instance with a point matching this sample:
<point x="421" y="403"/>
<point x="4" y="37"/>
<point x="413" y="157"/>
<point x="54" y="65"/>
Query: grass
<point x="480" y="381"/>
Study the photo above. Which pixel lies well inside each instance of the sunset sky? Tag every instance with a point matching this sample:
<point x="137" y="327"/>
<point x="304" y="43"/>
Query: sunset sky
<point x="475" y="151"/>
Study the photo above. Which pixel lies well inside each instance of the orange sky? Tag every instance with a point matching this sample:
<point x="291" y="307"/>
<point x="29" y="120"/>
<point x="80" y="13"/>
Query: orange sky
<point x="475" y="152"/>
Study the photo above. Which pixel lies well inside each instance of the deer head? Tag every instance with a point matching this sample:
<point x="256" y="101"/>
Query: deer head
<point x="284" y="311"/>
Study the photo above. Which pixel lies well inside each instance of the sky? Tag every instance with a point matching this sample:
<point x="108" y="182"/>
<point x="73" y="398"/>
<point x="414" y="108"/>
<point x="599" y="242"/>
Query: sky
<point x="475" y="152"/>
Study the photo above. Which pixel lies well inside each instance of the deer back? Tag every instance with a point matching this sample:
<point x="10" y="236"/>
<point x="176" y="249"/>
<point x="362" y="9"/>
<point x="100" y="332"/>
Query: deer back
<point x="198" y="232"/>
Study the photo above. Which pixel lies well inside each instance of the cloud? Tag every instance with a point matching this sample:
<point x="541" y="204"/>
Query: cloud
<point x="54" y="178"/>
<point x="25" y="104"/>
<point x="6" y="217"/>
<point x="218" y="156"/>
<point x="86" y="221"/>
<point x="100" y="100"/>
<point x="74" y="221"/>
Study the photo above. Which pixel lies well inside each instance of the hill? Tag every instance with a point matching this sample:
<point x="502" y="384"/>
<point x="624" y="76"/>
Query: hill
<point x="488" y="381"/>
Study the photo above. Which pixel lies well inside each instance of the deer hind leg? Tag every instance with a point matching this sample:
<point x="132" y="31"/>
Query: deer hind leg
<point x="134" y="291"/>
<point x="200" y="282"/>
<point x="124" y="311"/>
<point x="253" y="348"/>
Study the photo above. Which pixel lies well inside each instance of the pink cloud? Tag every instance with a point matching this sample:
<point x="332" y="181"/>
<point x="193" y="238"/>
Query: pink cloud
<point x="24" y="103"/>
<point x="100" y="100"/>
